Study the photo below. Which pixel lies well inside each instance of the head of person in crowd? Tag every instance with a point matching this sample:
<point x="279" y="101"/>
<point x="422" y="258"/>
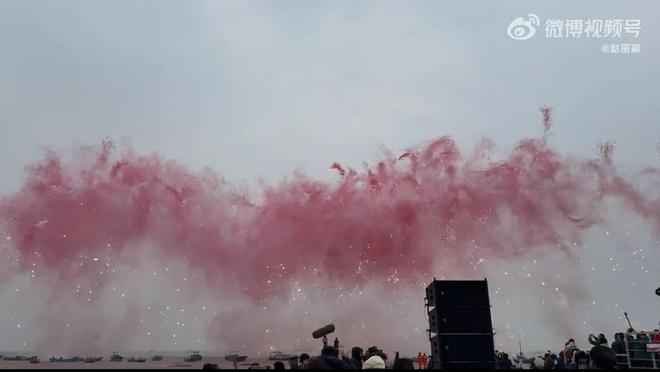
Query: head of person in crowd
<point x="357" y="357"/>
<point x="375" y="359"/>
<point x="329" y="359"/>
<point x="602" y="357"/>
<point x="278" y="366"/>
<point x="505" y="362"/>
<point x="303" y="360"/>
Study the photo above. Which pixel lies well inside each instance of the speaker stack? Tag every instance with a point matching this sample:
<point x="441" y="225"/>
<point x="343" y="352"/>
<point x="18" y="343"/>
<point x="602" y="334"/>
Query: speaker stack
<point x="460" y="326"/>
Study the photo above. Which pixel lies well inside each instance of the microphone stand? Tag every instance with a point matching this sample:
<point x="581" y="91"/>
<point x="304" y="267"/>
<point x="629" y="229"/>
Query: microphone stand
<point x="628" y="319"/>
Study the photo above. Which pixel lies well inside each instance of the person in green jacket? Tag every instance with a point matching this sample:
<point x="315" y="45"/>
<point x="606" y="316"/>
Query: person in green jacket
<point x="619" y="347"/>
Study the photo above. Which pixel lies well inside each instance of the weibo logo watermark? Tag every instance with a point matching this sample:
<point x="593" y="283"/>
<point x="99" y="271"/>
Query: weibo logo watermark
<point x="627" y="30"/>
<point x="521" y="29"/>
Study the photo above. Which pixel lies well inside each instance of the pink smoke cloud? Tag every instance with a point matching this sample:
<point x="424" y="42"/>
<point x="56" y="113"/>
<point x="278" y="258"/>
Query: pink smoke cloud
<point x="388" y="222"/>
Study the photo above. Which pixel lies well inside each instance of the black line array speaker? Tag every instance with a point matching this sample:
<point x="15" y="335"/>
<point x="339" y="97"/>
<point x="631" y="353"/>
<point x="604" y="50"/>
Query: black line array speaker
<point x="460" y="325"/>
<point x="460" y="320"/>
<point x="457" y="293"/>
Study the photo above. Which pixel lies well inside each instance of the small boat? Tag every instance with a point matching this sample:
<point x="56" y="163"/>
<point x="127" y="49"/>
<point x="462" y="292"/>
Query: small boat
<point x="15" y="358"/>
<point x="278" y="355"/>
<point x="34" y="360"/>
<point x="137" y="360"/>
<point x="193" y="357"/>
<point x="93" y="359"/>
<point x="157" y="358"/>
<point x="116" y="357"/>
<point x="234" y="357"/>
<point x="74" y="359"/>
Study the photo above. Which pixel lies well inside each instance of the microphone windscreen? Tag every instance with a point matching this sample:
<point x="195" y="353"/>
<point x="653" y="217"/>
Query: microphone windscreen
<point x="323" y="331"/>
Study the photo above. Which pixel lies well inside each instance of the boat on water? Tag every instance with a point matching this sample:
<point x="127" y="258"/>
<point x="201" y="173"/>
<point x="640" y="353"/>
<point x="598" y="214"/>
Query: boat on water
<point x="74" y="359"/>
<point x="116" y="357"/>
<point x="193" y="357"/>
<point x="93" y="359"/>
<point x="233" y="356"/>
<point x="157" y="358"/>
<point x="18" y="358"/>
<point x="278" y="355"/>
<point x="137" y="360"/>
<point x="34" y="360"/>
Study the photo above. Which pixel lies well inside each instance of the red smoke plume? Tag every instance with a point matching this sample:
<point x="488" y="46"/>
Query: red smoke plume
<point x="388" y="221"/>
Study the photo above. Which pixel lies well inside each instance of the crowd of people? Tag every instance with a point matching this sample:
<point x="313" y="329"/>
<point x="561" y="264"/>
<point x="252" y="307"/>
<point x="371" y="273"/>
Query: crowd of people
<point x="599" y="354"/>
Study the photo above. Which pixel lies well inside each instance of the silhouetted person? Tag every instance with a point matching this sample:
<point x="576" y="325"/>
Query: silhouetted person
<point x="403" y="363"/>
<point x="336" y="343"/>
<point x="602" y="357"/>
<point x="293" y="363"/>
<point x="505" y="362"/>
<point x="599" y="340"/>
<point x="357" y="355"/>
<point x="560" y="363"/>
<point x="303" y="361"/>
<point x="329" y="359"/>
<point x="619" y="348"/>
<point x="278" y="366"/>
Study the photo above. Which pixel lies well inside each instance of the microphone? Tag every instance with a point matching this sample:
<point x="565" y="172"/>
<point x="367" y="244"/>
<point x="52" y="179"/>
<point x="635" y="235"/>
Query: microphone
<point x="324" y="331"/>
<point x="657" y="291"/>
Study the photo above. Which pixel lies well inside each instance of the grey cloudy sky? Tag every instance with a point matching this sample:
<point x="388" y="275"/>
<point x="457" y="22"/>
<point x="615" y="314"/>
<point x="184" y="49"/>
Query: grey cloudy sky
<point x="258" y="89"/>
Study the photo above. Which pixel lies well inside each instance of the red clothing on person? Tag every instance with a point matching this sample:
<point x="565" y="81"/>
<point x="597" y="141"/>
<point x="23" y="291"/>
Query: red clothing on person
<point x="425" y="361"/>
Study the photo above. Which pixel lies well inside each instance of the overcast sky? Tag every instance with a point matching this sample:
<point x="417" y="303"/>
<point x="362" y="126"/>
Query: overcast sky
<point x="259" y="89"/>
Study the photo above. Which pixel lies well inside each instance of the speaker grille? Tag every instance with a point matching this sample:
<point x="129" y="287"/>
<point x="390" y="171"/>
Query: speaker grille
<point x="459" y="316"/>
